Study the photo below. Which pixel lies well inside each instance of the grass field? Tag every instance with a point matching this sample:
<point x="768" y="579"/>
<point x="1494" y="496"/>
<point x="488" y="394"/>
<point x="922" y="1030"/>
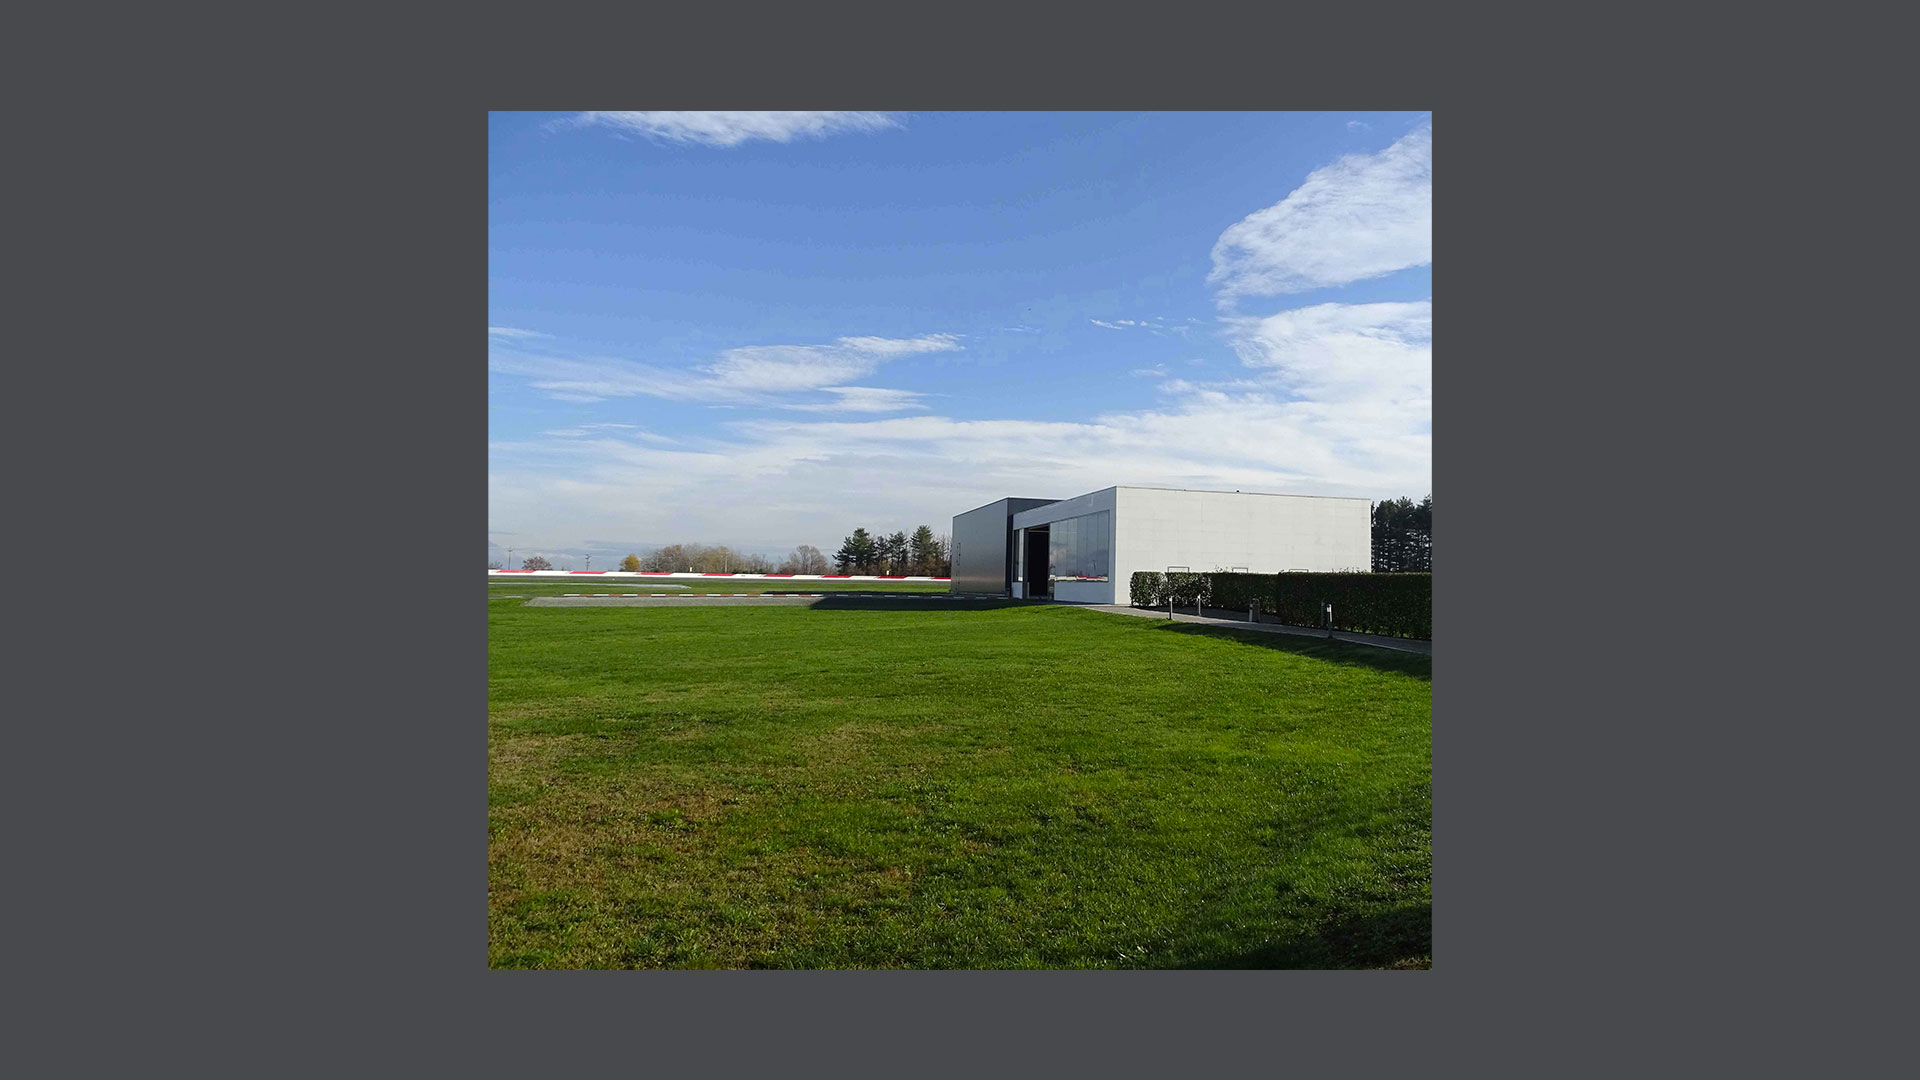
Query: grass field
<point x="1022" y="786"/>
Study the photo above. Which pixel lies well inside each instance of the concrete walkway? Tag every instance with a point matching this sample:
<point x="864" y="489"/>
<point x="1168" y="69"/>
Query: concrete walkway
<point x="1237" y="620"/>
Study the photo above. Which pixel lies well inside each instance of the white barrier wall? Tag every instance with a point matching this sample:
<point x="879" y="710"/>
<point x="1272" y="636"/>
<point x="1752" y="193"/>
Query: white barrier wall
<point x="1155" y="528"/>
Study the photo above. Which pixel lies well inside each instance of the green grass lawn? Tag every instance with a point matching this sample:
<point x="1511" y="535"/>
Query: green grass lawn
<point x="1015" y="787"/>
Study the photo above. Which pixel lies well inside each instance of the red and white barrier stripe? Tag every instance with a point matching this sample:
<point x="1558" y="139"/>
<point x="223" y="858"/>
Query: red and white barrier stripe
<point x="771" y="595"/>
<point x="618" y="574"/>
<point x="692" y="595"/>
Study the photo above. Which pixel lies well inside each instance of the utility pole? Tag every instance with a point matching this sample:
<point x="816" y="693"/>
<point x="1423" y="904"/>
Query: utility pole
<point x="589" y="562"/>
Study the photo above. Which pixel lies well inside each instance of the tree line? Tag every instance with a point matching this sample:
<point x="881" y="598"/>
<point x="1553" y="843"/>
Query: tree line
<point x="704" y="559"/>
<point x="898" y="554"/>
<point x="1403" y="535"/>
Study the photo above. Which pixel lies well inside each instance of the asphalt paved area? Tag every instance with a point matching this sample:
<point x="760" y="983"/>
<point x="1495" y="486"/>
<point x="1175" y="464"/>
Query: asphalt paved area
<point x="1237" y="620"/>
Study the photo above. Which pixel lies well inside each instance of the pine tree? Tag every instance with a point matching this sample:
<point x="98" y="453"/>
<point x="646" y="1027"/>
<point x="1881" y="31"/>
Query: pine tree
<point x="896" y="554"/>
<point x="921" y="550"/>
<point x="1423" y="530"/>
<point x="1403" y="535"/>
<point x="856" y="554"/>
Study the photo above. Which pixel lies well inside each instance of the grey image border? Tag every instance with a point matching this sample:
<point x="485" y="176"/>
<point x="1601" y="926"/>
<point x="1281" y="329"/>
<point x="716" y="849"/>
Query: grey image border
<point x="366" y="864"/>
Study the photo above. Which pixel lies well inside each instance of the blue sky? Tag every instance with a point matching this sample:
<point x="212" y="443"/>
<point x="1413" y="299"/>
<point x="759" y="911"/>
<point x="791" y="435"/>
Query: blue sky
<point x="764" y="329"/>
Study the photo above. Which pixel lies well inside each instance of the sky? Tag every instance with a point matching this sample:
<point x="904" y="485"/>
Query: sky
<point x="765" y="329"/>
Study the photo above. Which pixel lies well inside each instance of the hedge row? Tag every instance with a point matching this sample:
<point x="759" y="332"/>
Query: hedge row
<point x="1397" y="605"/>
<point x="1152" y="589"/>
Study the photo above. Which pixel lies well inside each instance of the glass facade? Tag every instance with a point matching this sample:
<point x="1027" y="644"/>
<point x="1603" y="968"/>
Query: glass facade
<point x="1078" y="549"/>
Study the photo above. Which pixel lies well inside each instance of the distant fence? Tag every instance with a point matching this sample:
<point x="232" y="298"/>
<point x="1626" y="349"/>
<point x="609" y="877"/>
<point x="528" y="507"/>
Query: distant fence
<point x="687" y="574"/>
<point x="1396" y="605"/>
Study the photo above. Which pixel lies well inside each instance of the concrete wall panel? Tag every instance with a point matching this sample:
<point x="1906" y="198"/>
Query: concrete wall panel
<point x="1212" y="530"/>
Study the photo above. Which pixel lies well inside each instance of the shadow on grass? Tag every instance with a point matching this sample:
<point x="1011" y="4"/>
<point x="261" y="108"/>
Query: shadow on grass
<point x="902" y="603"/>
<point x="1399" y="937"/>
<point x="1418" y="665"/>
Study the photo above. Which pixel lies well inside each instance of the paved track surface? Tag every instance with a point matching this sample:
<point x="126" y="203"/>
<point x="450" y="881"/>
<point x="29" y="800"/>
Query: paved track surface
<point x="1237" y="620"/>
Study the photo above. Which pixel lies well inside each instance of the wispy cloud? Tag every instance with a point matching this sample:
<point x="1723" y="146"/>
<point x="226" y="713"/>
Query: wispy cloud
<point x="625" y="431"/>
<point x="749" y="375"/>
<point x="725" y="129"/>
<point x="1157" y="325"/>
<point x="513" y="334"/>
<point x="863" y="399"/>
<point x="1329" y="399"/>
<point x="1361" y="217"/>
<point x="1359" y="125"/>
<point x="1380" y="353"/>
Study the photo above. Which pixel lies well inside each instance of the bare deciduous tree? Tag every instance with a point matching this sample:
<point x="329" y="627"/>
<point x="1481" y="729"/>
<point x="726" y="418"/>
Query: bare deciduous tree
<point x="806" y="559"/>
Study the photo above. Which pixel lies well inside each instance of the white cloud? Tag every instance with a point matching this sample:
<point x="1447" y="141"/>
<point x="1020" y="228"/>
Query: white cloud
<point x="863" y="399"/>
<point x="1361" y="217"/>
<point x="725" y="129"/>
<point x="1344" y="352"/>
<point x="582" y="431"/>
<point x="749" y="375"/>
<point x="1157" y="325"/>
<point x="776" y="483"/>
<point x="511" y="333"/>
<point x="1332" y="399"/>
<point x="1359" y="125"/>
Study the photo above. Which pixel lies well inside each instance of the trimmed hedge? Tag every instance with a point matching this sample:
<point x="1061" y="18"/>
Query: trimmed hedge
<point x="1151" y="589"/>
<point x="1396" y="605"/>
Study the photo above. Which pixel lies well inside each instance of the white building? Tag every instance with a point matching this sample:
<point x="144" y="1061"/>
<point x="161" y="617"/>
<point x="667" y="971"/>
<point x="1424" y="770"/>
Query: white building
<point x="1087" y="548"/>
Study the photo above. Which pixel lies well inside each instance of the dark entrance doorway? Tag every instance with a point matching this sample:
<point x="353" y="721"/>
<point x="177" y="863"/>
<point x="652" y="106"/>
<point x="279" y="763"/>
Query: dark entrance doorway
<point x="1037" y="584"/>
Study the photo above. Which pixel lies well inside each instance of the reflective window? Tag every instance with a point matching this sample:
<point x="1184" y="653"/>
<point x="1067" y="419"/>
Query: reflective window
<point x="1077" y="548"/>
